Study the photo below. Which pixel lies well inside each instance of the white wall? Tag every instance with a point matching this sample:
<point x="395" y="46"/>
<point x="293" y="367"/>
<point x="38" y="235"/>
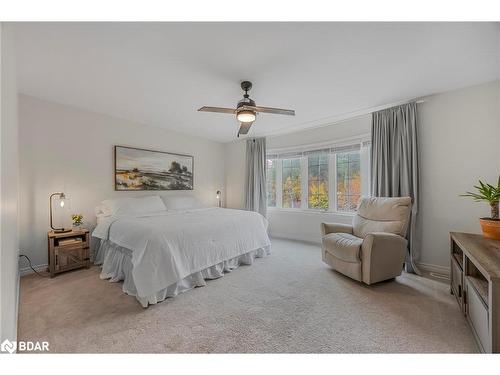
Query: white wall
<point x="235" y="174"/>
<point x="67" y="149"/>
<point x="9" y="244"/>
<point x="459" y="143"/>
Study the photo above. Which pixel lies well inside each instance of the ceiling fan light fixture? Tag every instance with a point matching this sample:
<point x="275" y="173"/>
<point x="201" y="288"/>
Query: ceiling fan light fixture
<point x="246" y="116"/>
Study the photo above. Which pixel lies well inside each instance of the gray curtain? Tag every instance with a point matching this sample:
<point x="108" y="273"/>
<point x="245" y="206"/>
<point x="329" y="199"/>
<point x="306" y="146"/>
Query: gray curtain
<point x="394" y="163"/>
<point x="255" y="176"/>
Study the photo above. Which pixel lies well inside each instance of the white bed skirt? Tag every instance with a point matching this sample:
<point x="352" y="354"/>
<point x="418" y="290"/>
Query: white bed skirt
<point x="116" y="264"/>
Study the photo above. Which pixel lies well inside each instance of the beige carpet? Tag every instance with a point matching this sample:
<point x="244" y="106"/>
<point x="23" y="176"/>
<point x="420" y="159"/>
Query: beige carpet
<point x="287" y="302"/>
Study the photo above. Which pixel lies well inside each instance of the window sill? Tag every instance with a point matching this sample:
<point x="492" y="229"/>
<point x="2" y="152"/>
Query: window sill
<point x="310" y="211"/>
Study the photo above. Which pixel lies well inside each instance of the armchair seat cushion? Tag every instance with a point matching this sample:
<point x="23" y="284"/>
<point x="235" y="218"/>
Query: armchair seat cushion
<point x="343" y="246"/>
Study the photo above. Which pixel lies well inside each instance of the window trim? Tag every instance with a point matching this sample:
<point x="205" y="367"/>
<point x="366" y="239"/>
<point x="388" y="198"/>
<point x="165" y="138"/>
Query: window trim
<point x="332" y="176"/>
<point x="310" y="211"/>
<point x="278" y="170"/>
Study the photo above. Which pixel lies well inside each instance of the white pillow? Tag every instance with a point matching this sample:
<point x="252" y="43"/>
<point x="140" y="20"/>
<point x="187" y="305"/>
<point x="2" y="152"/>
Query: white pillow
<point x="110" y="206"/>
<point x="139" y="205"/>
<point x="181" y="202"/>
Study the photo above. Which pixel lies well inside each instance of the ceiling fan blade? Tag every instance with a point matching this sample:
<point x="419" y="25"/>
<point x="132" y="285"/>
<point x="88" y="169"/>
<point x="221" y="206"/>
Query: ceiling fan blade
<point x="244" y="128"/>
<point x="276" y="111"/>
<point x="217" y="110"/>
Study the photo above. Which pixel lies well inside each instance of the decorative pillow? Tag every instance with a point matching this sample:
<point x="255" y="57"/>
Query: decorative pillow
<point x="181" y="202"/>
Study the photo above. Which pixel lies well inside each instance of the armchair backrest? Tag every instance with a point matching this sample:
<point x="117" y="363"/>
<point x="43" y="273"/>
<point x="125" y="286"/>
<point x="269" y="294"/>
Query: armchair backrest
<point x="389" y="215"/>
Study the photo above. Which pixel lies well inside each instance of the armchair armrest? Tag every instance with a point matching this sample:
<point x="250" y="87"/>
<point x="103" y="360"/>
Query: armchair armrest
<point x="327" y="228"/>
<point x="382" y="256"/>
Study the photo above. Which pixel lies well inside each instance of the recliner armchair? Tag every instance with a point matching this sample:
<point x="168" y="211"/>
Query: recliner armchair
<point x="373" y="248"/>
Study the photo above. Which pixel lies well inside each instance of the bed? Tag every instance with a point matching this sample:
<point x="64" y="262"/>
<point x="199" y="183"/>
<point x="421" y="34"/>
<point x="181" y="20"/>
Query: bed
<point x="161" y="250"/>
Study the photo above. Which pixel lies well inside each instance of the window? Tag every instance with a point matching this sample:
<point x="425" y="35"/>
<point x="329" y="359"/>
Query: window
<point x="317" y="170"/>
<point x="291" y="176"/>
<point x="348" y="180"/>
<point x="271" y="182"/>
<point x="330" y="179"/>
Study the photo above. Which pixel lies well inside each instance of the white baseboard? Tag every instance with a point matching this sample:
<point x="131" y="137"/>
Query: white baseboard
<point x="293" y="238"/>
<point x="39" y="268"/>
<point x="434" y="268"/>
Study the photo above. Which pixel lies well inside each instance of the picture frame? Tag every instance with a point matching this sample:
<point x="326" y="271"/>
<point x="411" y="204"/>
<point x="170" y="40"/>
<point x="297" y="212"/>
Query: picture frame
<point x="139" y="169"/>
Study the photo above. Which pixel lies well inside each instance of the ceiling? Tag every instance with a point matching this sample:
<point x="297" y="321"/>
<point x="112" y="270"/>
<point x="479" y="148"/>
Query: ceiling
<point x="160" y="73"/>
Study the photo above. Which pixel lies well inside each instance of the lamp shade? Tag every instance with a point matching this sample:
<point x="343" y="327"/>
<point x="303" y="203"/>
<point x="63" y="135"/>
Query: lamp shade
<point x="59" y="207"/>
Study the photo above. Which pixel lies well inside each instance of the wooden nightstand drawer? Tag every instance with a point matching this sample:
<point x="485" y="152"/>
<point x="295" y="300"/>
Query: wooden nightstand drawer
<point x="68" y="251"/>
<point x="70" y="257"/>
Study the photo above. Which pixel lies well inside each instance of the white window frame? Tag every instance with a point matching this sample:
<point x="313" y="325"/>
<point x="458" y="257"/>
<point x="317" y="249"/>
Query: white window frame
<point x="277" y="166"/>
<point x="332" y="175"/>
<point x="279" y="184"/>
<point x="332" y="186"/>
<point x="304" y="183"/>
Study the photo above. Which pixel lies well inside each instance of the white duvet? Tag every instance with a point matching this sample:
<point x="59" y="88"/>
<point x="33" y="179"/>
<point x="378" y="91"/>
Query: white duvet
<point x="168" y="246"/>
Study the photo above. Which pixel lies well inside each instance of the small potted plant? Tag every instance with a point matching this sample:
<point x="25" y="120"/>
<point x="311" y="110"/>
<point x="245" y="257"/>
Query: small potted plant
<point x="491" y="194"/>
<point x="77" y="220"/>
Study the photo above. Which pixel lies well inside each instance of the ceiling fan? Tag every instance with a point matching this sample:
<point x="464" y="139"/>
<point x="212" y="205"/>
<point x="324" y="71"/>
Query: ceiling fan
<point x="246" y="110"/>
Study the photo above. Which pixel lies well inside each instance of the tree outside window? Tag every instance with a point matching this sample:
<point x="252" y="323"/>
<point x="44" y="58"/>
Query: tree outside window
<point x="348" y="181"/>
<point x="291" y="183"/>
<point x="334" y="190"/>
<point x="317" y="167"/>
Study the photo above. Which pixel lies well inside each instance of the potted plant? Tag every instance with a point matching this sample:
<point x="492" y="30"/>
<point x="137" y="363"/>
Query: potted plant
<point x="491" y="194"/>
<point x="77" y="220"/>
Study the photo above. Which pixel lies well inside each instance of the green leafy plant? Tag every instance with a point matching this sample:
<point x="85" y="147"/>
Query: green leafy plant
<point x="488" y="193"/>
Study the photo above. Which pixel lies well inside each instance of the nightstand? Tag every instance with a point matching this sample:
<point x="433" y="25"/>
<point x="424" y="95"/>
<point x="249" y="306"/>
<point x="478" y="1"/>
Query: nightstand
<point x="68" y="251"/>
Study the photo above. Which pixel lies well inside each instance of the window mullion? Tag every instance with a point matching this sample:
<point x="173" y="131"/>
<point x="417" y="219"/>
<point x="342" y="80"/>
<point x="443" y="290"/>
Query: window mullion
<point x="332" y="182"/>
<point x="365" y="170"/>
<point x="279" y="183"/>
<point x="304" y="181"/>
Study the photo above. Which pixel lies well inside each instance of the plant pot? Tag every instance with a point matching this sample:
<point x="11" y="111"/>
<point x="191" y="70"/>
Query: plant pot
<point x="491" y="228"/>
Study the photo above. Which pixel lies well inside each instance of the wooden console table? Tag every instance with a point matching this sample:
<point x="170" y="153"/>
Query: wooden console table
<point x="475" y="282"/>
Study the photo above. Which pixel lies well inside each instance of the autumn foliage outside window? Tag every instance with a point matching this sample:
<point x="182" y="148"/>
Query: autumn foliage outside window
<point x="348" y="181"/>
<point x="317" y="167"/>
<point x="291" y="183"/>
<point x="304" y="181"/>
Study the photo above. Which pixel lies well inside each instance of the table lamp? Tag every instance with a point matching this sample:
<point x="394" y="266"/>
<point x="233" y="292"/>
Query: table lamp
<point x="62" y="202"/>
<point x="218" y="197"/>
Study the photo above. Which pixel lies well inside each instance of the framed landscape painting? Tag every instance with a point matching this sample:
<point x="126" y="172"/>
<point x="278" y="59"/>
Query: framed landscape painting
<point x="139" y="169"/>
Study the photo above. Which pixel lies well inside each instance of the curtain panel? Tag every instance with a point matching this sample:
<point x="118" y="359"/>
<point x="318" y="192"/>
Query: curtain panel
<point x="255" y="176"/>
<point x="394" y="163"/>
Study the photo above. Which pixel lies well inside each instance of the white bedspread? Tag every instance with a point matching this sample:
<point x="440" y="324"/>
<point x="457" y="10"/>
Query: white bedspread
<point x="167" y="246"/>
